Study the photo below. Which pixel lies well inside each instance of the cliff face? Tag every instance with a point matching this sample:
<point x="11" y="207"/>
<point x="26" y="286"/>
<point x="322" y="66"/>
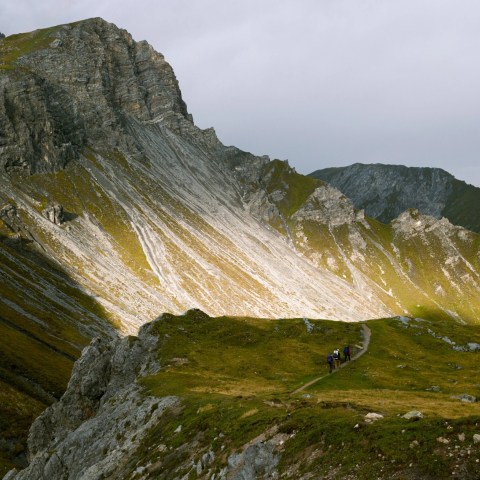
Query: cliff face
<point x="386" y="191"/>
<point x="73" y="85"/>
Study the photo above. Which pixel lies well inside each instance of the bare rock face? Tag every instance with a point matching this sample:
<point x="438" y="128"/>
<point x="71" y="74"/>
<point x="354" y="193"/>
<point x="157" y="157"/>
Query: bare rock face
<point x="54" y="212"/>
<point x="101" y="417"/>
<point x="385" y="191"/>
<point x="257" y="461"/>
<point x="8" y="214"/>
<point x="78" y="91"/>
<point x="327" y="205"/>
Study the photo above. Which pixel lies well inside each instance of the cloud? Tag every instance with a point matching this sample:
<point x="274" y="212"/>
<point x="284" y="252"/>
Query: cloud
<point x="322" y="83"/>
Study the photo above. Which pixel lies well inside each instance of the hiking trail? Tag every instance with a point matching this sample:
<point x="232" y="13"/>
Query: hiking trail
<point x="367" y="333"/>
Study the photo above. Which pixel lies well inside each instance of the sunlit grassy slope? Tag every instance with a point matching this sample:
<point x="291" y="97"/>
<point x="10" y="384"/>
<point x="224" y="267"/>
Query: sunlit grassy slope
<point x="236" y="376"/>
<point x="14" y="46"/>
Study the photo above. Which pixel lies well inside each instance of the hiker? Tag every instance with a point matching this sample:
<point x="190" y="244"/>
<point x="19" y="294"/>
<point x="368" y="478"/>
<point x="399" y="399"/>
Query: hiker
<point x="346" y="353"/>
<point x="330" y="362"/>
<point x="337" y="358"/>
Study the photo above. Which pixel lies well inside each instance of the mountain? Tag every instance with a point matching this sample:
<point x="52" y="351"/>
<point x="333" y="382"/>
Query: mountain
<point x="115" y="208"/>
<point x="386" y="191"/>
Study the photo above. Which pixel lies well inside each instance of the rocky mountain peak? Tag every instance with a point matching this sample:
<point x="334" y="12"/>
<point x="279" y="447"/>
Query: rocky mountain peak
<point x="73" y="85"/>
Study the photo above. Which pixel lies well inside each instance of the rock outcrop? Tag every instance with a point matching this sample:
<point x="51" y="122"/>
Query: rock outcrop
<point x="386" y="191"/>
<point x="9" y="216"/>
<point x="328" y="206"/>
<point x="77" y="90"/>
<point x="102" y="416"/>
<point x="54" y="212"/>
<point x="257" y="461"/>
<point x="98" y="427"/>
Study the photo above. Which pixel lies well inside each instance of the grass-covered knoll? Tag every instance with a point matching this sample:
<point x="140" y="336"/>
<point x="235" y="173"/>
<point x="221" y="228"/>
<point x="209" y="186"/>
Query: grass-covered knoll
<point x="14" y="46"/>
<point x="236" y="376"/>
<point x="295" y="187"/>
<point x="241" y="356"/>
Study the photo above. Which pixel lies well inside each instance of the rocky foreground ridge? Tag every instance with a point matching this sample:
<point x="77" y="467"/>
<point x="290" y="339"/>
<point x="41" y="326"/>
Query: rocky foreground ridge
<point x="386" y="191"/>
<point x="207" y="400"/>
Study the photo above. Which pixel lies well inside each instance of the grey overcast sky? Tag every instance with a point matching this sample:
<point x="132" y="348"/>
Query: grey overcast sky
<point x="321" y="82"/>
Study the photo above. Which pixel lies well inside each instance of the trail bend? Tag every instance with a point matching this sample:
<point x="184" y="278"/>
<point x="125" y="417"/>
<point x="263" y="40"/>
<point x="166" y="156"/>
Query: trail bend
<point x="367" y="333"/>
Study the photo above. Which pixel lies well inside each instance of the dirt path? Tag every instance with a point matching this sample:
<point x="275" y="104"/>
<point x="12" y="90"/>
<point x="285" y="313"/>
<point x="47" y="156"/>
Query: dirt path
<point x="367" y="333"/>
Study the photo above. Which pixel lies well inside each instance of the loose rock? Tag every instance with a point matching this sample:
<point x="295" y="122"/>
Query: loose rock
<point x="54" y="212"/>
<point x="413" y="414"/>
<point x="373" y="416"/>
<point x="465" y="398"/>
<point x="9" y="216"/>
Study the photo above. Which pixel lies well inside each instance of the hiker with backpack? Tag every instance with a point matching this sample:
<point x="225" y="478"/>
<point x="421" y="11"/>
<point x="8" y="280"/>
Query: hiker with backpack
<point x="346" y="353"/>
<point x="330" y="362"/>
<point x="337" y="358"/>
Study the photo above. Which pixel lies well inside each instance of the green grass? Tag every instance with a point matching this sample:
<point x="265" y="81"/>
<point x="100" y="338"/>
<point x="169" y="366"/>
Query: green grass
<point x="226" y="371"/>
<point x="239" y="367"/>
<point x="24" y="356"/>
<point x="300" y="187"/>
<point x="17" y="412"/>
<point x="14" y="46"/>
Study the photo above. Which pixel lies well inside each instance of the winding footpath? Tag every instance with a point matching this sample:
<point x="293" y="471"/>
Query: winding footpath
<point x="367" y="333"/>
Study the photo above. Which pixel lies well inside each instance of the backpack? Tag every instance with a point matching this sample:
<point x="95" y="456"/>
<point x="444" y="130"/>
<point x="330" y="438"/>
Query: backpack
<point x="346" y="350"/>
<point x="336" y="355"/>
<point x="329" y="358"/>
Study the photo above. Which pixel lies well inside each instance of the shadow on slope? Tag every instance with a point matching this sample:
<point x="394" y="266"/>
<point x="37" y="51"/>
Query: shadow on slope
<point x="46" y="319"/>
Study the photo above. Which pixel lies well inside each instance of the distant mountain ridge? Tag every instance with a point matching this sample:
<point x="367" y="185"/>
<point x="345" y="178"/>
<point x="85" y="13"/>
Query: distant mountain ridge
<point x="386" y="191"/>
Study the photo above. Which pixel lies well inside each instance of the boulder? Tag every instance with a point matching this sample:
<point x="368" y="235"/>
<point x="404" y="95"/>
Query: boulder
<point x="54" y="212"/>
<point x="9" y="216"/>
<point x="373" y="416"/>
<point x="56" y="43"/>
<point x="465" y="398"/>
<point x="476" y="438"/>
<point x="413" y="414"/>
